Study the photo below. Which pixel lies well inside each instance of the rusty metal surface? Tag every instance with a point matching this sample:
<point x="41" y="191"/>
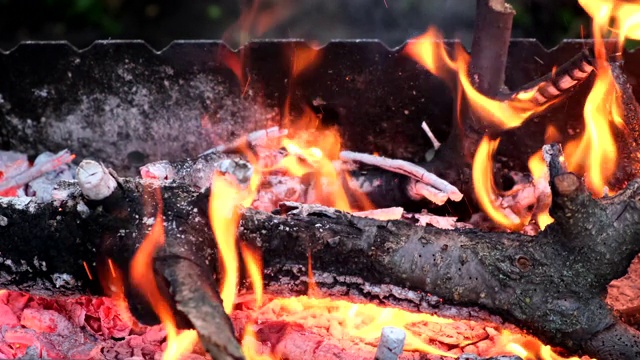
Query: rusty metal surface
<point x="125" y="104"/>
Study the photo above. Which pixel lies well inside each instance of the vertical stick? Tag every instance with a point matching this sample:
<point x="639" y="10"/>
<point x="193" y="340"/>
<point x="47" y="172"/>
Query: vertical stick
<point x="491" y="36"/>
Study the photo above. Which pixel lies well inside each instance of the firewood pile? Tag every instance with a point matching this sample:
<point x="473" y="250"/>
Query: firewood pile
<point x="298" y="241"/>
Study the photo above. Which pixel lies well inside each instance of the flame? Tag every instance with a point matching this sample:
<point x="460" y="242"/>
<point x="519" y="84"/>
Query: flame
<point x="526" y="347"/>
<point x="539" y="171"/>
<point x="347" y="319"/>
<point x="429" y="50"/>
<point x="482" y="175"/>
<point x="253" y="263"/>
<point x="142" y="277"/>
<point x="625" y="16"/>
<point x="595" y="152"/>
<point x="224" y="218"/>
<point x="314" y="152"/>
<point x="111" y="280"/>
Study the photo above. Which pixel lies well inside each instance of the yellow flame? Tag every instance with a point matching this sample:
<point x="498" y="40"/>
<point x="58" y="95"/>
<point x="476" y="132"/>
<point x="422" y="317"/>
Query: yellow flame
<point x="429" y="51"/>
<point x="595" y="152"/>
<point x="253" y="263"/>
<point x="226" y="196"/>
<point x="346" y="319"/>
<point x="314" y="152"/>
<point x="482" y="176"/>
<point x="538" y="169"/>
<point x="142" y="277"/>
<point x="625" y="16"/>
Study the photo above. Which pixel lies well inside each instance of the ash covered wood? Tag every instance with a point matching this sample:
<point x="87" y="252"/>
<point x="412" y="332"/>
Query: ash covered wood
<point x="525" y="279"/>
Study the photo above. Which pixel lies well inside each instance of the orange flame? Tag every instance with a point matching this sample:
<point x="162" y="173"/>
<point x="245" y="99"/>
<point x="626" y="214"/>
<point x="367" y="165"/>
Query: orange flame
<point x="253" y="263"/>
<point x="482" y="175"/>
<point x="539" y="171"/>
<point x="318" y="159"/>
<point x="429" y="51"/>
<point x="113" y="286"/>
<point x="595" y="152"/>
<point x="625" y="16"/>
<point x="224" y="218"/>
<point x="142" y="277"/>
<point x="346" y="319"/>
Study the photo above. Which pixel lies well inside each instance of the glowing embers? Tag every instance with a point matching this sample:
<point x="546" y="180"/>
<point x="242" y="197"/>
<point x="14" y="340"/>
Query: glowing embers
<point x="300" y="326"/>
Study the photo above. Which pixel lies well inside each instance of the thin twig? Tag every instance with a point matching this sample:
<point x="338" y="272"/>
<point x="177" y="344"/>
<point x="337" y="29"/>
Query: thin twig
<point x="392" y="213"/>
<point x="255" y="138"/>
<point x="427" y="130"/>
<point x="429" y="180"/>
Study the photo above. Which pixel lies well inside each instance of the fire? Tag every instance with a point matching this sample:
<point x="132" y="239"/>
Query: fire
<point x="364" y="323"/>
<point x="539" y="171"/>
<point x="595" y="152"/>
<point x="482" y="175"/>
<point x="314" y="152"/>
<point x="624" y="14"/>
<point x="113" y="286"/>
<point x="527" y="347"/>
<point x="226" y="196"/>
<point x="253" y="263"/>
<point x="143" y="278"/>
<point x="429" y="51"/>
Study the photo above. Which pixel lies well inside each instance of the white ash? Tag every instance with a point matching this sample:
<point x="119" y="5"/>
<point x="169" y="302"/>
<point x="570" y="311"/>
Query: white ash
<point x="12" y="163"/>
<point x="391" y="343"/>
<point x="305" y="210"/>
<point x="83" y="209"/>
<point x="94" y="180"/>
<point x="40" y="265"/>
<point x="3" y="221"/>
<point x="63" y="280"/>
<point x="418" y="190"/>
<point x="441" y="222"/>
<point x="19" y="203"/>
<point x="434" y="141"/>
<point x="254" y="139"/>
<point x="42" y="188"/>
<point x="198" y="172"/>
<point x="276" y="189"/>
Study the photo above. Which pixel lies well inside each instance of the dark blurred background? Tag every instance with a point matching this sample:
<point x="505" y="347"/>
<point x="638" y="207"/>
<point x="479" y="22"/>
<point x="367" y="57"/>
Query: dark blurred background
<point x="161" y="21"/>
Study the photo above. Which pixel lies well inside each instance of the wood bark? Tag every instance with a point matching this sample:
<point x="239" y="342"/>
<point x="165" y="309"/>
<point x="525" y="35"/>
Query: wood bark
<point x="491" y="36"/>
<point x="551" y="284"/>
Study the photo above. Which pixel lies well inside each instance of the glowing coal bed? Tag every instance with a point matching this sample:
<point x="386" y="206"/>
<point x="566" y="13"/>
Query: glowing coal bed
<point x="283" y="328"/>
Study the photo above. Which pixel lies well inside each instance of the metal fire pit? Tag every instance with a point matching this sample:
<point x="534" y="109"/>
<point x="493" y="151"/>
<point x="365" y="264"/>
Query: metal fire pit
<point x="125" y="104"/>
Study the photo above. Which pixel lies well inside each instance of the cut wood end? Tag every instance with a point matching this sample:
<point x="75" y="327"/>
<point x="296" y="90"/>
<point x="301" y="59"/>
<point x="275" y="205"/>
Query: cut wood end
<point x="501" y="6"/>
<point x="94" y="180"/>
<point x="391" y="343"/>
<point x="566" y="183"/>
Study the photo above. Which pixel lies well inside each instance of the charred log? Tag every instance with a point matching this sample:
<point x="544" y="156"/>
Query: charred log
<point x="551" y="284"/>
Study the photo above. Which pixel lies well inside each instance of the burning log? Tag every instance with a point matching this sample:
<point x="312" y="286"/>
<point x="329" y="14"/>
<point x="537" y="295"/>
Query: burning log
<point x="524" y="279"/>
